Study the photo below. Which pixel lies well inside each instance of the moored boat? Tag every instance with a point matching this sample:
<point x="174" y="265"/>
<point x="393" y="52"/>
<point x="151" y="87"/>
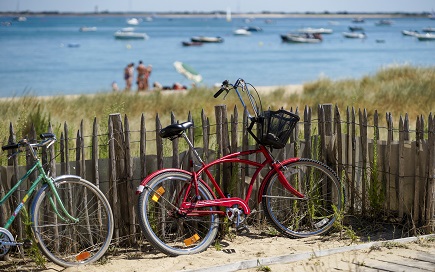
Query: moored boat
<point x="184" y="43"/>
<point x="356" y="28"/>
<point x="354" y="35"/>
<point x="130" y="35"/>
<point x="409" y="32"/>
<point x="88" y="29"/>
<point x="241" y="32"/>
<point x="425" y="37"/>
<point x="311" y="30"/>
<point x="429" y="29"/>
<point x="384" y="22"/>
<point x="301" y="38"/>
<point x="207" y="39"/>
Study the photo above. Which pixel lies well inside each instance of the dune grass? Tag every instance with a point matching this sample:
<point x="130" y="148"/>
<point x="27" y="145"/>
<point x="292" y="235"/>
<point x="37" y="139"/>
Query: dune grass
<point x="399" y="90"/>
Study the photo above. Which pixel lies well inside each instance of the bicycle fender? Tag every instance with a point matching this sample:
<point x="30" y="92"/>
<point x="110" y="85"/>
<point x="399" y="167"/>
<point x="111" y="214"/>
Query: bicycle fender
<point x="149" y="177"/>
<point x="269" y="175"/>
<point x="45" y="186"/>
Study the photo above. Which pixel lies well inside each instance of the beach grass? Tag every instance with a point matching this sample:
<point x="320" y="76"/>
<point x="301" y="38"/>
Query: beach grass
<point x="397" y="89"/>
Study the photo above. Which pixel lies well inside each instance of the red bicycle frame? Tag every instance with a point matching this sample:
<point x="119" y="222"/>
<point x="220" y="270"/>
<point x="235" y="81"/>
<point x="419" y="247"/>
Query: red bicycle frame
<point x="191" y="208"/>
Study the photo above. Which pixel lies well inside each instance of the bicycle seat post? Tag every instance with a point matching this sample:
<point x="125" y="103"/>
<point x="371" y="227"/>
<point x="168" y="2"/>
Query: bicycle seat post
<point x="192" y="147"/>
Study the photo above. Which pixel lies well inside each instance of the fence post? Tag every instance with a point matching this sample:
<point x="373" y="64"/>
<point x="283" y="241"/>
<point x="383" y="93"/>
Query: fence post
<point x="364" y="152"/>
<point x="113" y="178"/>
<point x="143" y="147"/>
<point x="353" y="161"/>
<point x="307" y="132"/>
<point x="339" y="142"/>
<point x="159" y="144"/>
<point x="430" y="206"/>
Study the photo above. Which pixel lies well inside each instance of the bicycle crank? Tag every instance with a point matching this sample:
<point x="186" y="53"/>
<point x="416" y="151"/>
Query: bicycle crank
<point x="6" y="241"/>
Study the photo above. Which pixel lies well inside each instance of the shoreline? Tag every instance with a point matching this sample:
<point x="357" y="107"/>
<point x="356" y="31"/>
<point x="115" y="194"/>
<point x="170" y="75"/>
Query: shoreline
<point x="221" y="14"/>
<point x="289" y="89"/>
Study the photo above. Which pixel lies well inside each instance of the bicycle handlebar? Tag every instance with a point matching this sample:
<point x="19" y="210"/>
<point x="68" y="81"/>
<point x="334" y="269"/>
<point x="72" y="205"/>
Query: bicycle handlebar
<point x="47" y="139"/>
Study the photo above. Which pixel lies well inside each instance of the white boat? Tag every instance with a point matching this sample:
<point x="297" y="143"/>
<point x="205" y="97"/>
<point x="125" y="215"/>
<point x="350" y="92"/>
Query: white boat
<point x="315" y="30"/>
<point x="20" y="19"/>
<point x="133" y="21"/>
<point x="384" y="23"/>
<point x="429" y="29"/>
<point x="241" y="32"/>
<point x="354" y="35"/>
<point x="207" y="39"/>
<point x="130" y="35"/>
<point x="425" y="37"/>
<point x="409" y="32"/>
<point x="88" y="29"/>
<point x="301" y="38"/>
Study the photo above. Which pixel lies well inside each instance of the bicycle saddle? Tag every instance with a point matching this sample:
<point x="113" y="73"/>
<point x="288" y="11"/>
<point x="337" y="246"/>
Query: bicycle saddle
<point x="174" y="129"/>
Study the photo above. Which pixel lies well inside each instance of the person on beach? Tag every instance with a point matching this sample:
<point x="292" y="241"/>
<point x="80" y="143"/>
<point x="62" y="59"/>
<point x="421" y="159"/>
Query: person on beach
<point x="141" y="71"/>
<point x="143" y="74"/>
<point x="128" y="76"/>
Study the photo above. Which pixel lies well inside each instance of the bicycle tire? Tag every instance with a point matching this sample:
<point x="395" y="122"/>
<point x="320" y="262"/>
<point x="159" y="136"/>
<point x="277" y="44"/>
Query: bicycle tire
<point x="68" y="243"/>
<point x="313" y="215"/>
<point x="166" y="229"/>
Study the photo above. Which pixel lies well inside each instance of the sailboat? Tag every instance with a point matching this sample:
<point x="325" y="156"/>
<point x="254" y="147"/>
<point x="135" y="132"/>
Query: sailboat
<point x="432" y="15"/>
<point x="228" y="15"/>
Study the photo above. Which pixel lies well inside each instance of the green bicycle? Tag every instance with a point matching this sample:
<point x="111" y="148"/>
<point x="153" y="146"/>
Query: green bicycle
<point x="71" y="218"/>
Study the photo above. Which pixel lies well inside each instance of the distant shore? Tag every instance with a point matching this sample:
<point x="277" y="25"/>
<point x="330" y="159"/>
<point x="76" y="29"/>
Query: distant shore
<point x="221" y="14"/>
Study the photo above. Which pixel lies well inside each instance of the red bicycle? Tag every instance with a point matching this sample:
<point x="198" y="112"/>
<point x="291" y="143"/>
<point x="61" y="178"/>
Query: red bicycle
<point x="179" y="212"/>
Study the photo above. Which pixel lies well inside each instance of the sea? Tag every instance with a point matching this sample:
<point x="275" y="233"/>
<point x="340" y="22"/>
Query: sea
<point x="48" y="55"/>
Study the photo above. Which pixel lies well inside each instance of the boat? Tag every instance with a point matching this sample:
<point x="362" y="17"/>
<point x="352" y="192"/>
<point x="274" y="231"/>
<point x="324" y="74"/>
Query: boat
<point x="315" y="30"/>
<point x="184" y="43"/>
<point x="432" y="15"/>
<point x="88" y="29"/>
<point x="410" y="32"/>
<point x="429" y="29"/>
<point x="241" y="32"/>
<point x="133" y="21"/>
<point x="301" y="38"/>
<point x="358" y="20"/>
<point x="130" y="35"/>
<point x="384" y="23"/>
<point x="425" y="37"/>
<point x="207" y="39"/>
<point x="20" y="19"/>
<point x="253" y="28"/>
<point x="356" y="28"/>
<point x="354" y="35"/>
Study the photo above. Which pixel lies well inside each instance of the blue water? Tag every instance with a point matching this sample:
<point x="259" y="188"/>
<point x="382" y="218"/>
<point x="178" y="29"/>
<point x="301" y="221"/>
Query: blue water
<point x="35" y="57"/>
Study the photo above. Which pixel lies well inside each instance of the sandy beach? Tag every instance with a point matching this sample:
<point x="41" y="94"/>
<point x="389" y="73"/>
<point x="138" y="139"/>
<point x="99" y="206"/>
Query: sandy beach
<point x="256" y="252"/>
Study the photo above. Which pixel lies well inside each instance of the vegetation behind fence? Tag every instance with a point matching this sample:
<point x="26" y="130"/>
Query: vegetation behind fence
<point x="388" y="171"/>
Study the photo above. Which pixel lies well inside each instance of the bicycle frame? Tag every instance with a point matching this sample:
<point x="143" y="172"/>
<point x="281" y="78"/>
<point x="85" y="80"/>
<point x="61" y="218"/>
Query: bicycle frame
<point x="42" y="177"/>
<point x="189" y="208"/>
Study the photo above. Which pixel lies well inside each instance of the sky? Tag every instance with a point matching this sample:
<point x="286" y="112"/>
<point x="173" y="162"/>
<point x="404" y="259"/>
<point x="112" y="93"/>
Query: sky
<point x="412" y="6"/>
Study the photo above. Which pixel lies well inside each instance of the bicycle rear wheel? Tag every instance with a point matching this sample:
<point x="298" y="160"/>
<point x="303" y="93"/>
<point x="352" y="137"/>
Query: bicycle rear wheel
<point x="303" y="217"/>
<point x="164" y="226"/>
<point x="63" y="241"/>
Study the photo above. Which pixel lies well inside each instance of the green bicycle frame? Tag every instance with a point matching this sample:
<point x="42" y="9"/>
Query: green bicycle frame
<point x="45" y="179"/>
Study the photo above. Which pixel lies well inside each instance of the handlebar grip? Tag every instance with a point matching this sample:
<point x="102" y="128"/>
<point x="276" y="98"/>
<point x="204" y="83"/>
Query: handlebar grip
<point x="10" y="146"/>
<point x="47" y="135"/>
<point x="223" y="88"/>
<point x="219" y="92"/>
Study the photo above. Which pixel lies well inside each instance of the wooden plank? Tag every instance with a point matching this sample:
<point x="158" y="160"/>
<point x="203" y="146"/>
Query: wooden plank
<point x="389" y="176"/>
<point x="353" y="163"/>
<point x="159" y="144"/>
<point x="143" y="147"/>
<point x="339" y="142"/>
<point x="130" y="216"/>
<point x="430" y="192"/>
<point x="400" y="179"/>
<point x="364" y="152"/>
<point x="175" y="150"/>
<point x="307" y="132"/>
<point x="113" y="181"/>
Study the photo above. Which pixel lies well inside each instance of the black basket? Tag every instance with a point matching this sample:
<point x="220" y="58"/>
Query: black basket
<point x="274" y="128"/>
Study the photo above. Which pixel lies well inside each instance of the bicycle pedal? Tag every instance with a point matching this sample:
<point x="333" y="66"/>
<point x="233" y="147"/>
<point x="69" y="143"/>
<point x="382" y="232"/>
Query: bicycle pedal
<point x="27" y="244"/>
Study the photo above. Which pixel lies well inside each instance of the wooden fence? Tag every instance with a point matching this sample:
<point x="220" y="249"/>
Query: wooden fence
<point x="383" y="169"/>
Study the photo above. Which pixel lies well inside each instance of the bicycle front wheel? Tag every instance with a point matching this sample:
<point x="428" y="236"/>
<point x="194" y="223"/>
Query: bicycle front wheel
<point x="164" y="226"/>
<point x="313" y="214"/>
<point x="69" y="242"/>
